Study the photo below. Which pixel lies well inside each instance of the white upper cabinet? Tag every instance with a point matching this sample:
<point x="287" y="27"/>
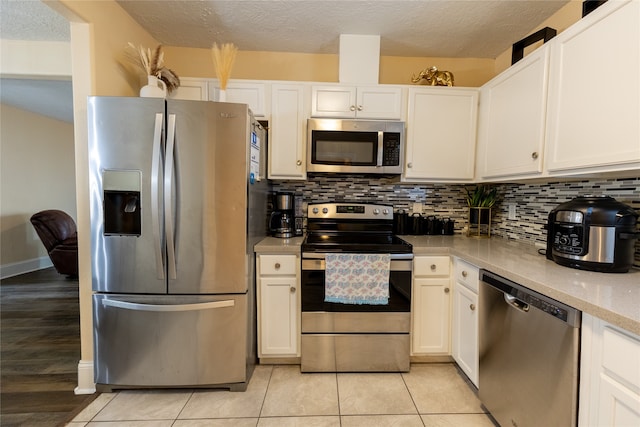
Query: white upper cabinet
<point x="511" y="130"/>
<point x="362" y="102"/>
<point x="594" y="93"/>
<point x="191" y="89"/>
<point x="287" y="131"/>
<point x="441" y="134"/>
<point x="254" y="94"/>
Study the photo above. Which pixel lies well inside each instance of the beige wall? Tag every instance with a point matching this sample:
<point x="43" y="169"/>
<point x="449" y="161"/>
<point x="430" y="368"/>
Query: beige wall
<point x="560" y="21"/>
<point x="112" y="29"/>
<point x="37" y="172"/>
<point x="191" y="62"/>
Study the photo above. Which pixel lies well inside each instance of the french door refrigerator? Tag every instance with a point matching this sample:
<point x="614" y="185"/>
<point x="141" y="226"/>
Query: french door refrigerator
<point x="178" y="200"/>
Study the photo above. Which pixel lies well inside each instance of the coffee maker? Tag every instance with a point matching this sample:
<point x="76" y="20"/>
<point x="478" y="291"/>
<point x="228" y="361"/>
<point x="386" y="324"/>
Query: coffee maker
<point x="282" y="222"/>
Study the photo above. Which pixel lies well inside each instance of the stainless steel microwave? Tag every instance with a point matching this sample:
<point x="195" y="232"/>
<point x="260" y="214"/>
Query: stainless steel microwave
<point x="355" y="146"/>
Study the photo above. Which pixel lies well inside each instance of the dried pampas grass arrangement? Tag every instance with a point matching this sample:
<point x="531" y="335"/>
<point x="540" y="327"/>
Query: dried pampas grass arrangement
<point x="223" y="58"/>
<point x="152" y="64"/>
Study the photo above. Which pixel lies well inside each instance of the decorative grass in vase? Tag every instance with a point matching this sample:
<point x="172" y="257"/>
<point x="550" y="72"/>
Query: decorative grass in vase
<point x="223" y="58"/>
<point x="152" y="64"/>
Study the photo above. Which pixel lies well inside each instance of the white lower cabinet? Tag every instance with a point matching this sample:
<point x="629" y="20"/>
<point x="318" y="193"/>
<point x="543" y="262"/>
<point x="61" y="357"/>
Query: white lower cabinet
<point x="464" y="346"/>
<point x="609" y="375"/>
<point x="431" y="306"/>
<point x="278" y="278"/>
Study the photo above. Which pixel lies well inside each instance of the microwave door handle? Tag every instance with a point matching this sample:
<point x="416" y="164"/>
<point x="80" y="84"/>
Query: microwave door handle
<point x="380" y="148"/>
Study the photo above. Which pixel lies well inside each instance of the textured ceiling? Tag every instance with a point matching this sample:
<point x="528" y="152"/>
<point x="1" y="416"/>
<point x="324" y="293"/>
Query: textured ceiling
<point x="434" y="28"/>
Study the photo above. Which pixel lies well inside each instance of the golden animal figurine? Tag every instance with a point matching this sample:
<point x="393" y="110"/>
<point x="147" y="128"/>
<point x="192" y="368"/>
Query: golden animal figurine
<point x="433" y="77"/>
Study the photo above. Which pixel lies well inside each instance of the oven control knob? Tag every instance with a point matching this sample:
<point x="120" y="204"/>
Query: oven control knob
<point x="376" y="211"/>
<point x="385" y="211"/>
<point x="314" y="210"/>
<point x="325" y="210"/>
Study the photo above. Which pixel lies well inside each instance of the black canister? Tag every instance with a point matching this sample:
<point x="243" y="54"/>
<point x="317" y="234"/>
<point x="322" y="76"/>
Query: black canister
<point x="447" y="226"/>
<point x="400" y="222"/>
<point x="434" y="225"/>
<point x="417" y="224"/>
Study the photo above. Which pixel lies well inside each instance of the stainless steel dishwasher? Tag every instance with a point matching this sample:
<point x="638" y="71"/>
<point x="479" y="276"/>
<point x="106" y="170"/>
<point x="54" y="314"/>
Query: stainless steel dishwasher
<point x="529" y="349"/>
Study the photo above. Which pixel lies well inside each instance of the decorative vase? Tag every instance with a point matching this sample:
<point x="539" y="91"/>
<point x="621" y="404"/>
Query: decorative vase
<point x="155" y="88"/>
<point x="222" y="95"/>
<point x="479" y="222"/>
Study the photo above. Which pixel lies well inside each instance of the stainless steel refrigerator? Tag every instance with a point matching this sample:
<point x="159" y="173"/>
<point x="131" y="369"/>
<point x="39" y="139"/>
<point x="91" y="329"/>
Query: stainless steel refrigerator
<point x="178" y="199"/>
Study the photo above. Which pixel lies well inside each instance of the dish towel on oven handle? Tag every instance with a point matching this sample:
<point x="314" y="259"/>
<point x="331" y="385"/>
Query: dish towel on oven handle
<point x="357" y="278"/>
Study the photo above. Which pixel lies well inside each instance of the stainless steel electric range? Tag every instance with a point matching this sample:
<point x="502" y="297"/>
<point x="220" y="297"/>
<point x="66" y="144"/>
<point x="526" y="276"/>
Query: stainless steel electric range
<point x="362" y="336"/>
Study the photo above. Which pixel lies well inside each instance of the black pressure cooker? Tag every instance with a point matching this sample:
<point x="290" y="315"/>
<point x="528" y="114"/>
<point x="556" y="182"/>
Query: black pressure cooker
<point x="594" y="233"/>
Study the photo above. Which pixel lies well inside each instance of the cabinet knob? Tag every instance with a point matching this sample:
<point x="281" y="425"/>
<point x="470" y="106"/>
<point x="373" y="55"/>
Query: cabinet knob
<point x="446" y="290"/>
<point x="277" y="266"/>
<point x="352" y="108"/>
<point x="433" y="267"/>
<point x="409" y="165"/>
<point x="534" y="155"/>
<point x="299" y="162"/>
<point x="359" y="107"/>
<point x="472" y="307"/>
<point x="464" y="273"/>
<point x="292" y="289"/>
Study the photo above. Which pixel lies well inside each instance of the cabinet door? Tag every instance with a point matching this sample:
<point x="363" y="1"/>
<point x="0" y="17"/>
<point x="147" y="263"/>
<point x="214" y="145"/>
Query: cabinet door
<point x="594" y="93"/>
<point x="278" y="332"/>
<point x="379" y="102"/>
<point x="191" y="89"/>
<point x="287" y="135"/>
<point x="512" y="118"/>
<point x="465" y="331"/>
<point x="252" y="94"/>
<point x="431" y="316"/>
<point x="441" y="134"/>
<point x="333" y="101"/>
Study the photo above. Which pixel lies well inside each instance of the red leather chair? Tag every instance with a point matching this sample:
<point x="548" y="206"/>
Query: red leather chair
<point x="58" y="233"/>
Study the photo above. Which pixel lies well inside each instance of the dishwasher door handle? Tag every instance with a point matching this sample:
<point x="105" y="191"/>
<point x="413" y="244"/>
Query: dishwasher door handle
<point x="516" y="303"/>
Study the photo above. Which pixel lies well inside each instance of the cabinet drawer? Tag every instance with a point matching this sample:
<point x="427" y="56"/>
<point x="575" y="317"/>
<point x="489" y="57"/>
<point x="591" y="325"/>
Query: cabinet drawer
<point x="431" y="266"/>
<point x="277" y="264"/>
<point x="466" y="274"/>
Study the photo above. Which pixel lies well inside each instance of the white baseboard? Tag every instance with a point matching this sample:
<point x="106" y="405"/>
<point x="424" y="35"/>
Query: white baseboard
<point x="85" y="378"/>
<point x="16" y="268"/>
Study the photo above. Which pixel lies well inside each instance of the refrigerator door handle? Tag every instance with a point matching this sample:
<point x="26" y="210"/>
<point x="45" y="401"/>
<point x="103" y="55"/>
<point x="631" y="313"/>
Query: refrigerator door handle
<point x="155" y="209"/>
<point x="168" y="200"/>
<point x="166" y="308"/>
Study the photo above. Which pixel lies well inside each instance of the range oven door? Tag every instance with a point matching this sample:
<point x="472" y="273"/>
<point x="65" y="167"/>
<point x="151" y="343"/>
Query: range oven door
<point x="355" y="337"/>
<point x="313" y="277"/>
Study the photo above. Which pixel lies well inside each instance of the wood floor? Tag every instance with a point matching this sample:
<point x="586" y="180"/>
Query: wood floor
<point x="40" y="350"/>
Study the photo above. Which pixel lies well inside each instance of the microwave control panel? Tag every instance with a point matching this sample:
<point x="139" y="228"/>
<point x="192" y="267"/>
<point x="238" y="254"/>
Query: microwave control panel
<point x="391" y="149"/>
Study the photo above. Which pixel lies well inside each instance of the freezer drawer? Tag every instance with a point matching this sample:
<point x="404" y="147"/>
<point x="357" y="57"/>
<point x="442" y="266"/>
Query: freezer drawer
<point x="170" y="341"/>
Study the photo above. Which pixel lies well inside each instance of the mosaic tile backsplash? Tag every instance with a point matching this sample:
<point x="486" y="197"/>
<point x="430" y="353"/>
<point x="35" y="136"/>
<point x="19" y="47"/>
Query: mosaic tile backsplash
<point x="533" y="201"/>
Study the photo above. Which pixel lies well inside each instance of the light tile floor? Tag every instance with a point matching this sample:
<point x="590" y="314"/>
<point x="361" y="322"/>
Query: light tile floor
<point x="430" y="395"/>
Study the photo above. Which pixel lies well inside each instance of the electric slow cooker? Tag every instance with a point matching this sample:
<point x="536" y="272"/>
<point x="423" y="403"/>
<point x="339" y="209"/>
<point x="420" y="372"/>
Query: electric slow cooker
<point x="594" y="233"/>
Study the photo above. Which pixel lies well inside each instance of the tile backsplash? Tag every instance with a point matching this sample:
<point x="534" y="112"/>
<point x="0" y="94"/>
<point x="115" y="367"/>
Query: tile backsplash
<point x="532" y="201"/>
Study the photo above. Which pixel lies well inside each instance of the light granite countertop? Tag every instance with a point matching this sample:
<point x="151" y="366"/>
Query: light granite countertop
<point x="612" y="297"/>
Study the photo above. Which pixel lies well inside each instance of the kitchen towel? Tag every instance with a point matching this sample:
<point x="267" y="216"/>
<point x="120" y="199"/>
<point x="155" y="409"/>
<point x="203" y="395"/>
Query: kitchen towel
<point x="357" y="278"/>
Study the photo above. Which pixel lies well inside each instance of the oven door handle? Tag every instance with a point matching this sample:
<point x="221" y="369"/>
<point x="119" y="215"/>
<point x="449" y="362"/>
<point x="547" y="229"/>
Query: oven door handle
<point x="317" y="255"/>
<point x="319" y="265"/>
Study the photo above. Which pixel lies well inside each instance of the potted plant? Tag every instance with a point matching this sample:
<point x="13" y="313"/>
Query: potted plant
<point x="480" y="201"/>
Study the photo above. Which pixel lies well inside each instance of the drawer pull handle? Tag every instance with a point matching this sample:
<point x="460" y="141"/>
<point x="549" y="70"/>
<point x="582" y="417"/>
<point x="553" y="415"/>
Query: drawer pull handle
<point x="464" y="274"/>
<point x="433" y="267"/>
<point x="446" y="290"/>
<point x="292" y="289"/>
<point x="472" y="307"/>
<point x="277" y="266"/>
